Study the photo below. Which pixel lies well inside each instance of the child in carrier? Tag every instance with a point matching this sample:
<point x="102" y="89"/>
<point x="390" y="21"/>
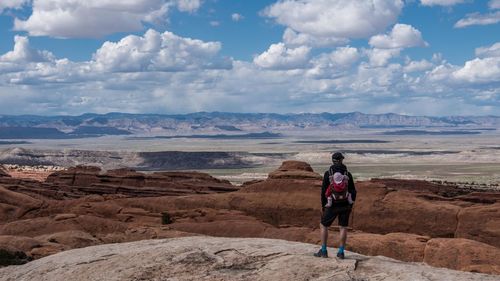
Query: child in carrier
<point x="337" y="189"/>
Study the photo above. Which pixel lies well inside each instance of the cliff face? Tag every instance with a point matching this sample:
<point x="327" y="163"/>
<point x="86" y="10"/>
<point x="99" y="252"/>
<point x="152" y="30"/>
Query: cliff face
<point x="412" y="221"/>
<point x="209" y="258"/>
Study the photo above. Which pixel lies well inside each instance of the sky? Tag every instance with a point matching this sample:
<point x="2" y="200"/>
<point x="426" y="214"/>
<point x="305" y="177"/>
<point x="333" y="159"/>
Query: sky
<point x="414" y="57"/>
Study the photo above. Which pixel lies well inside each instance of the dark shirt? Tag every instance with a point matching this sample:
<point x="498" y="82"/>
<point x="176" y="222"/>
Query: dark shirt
<point x="326" y="182"/>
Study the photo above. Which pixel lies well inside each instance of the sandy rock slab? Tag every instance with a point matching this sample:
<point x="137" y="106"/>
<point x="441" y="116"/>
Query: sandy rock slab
<point x="210" y="258"/>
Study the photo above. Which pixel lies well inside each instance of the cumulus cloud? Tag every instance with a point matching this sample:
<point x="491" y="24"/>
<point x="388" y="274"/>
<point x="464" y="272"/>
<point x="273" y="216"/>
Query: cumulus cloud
<point x="441" y="73"/>
<point x="352" y="85"/>
<point x="441" y="2"/>
<point x="23" y="53"/>
<point x="96" y="18"/>
<point x="12" y="4"/>
<point x="334" y="64"/>
<point x="159" y="52"/>
<point x="415" y="66"/>
<point x="115" y="64"/>
<point x="380" y="57"/>
<point x="163" y="72"/>
<point x="478" y="19"/>
<point x="479" y="74"/>
<point x="344" y="56"/>
<point x="293" y="38"/>
<point x="278" y="56"/>
<point x="237" y="17"/>
<point x="379" y="81"/>
<point x="490" y="51"/>
<point x="337" y="18"/>
<point x="40" y="69"/>
<point x="53" y="74"/>
<point x="401" y="36"/>
<point x="479" y="71"/>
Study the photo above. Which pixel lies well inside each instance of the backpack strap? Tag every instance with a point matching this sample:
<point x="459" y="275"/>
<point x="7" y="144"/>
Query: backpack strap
<point x="330" y="175"/>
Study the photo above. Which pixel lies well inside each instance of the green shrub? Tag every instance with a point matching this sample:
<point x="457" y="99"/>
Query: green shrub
<point x="13" y="258"/>
<point x="165" y="218"/>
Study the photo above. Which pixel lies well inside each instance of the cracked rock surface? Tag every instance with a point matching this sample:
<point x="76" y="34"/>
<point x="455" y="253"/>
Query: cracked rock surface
<point x="211" y="258"/>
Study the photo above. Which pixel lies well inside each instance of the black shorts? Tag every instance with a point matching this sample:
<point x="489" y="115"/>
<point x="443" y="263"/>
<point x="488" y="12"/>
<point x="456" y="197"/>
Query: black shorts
<point x="331" y="213"/>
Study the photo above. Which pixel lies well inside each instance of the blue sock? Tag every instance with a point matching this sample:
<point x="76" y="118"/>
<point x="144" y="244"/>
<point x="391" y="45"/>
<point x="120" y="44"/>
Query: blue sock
<point x="341" y="249"/>
<point x="323" y="248"/>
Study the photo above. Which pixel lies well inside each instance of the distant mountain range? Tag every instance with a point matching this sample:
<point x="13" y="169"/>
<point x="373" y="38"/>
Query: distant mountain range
<point x="221" y="123"/>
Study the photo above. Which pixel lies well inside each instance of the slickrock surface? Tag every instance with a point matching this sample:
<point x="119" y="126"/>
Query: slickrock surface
<point x="208" y="258"/>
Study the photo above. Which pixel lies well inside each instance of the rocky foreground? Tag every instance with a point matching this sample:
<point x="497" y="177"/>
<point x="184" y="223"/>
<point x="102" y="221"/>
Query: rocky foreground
<point x="412" y="221"/>
<point x="209" y="258"/>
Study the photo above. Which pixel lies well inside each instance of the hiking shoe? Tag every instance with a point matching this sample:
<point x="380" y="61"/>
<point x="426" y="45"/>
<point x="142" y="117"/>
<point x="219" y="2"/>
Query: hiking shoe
<point x="321" y="254"/>
<point x="340" y="255"/>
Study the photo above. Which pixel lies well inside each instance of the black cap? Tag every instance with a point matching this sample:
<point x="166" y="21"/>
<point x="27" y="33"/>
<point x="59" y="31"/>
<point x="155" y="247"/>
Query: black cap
<point x="337" y="156"/>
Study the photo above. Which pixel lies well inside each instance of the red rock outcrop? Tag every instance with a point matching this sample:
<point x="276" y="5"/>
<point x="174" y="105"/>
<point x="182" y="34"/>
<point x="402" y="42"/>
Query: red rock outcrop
<point x="480" y="223"/>
<point x="294" y="170"/>
<point x="47" y="225"/>
<point x="380" y="209"/>
<point x="18" y="243"/>
<point x="76" y="176"/>
<point x="71" y="238"/>
<point x="463" y="254"/>
<point x="427" y="209"/>
<point x="401" y="246"/>
<point x="14" y="205"/>
<point x="84" y="180"/>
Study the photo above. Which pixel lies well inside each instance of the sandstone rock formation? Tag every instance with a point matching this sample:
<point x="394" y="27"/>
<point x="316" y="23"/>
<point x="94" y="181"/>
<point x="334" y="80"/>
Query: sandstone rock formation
<point x="462" y="254"/>
<point x="294" y="170"/>
<point x="91" y="180"/>
<point x="413" y="221"/>
<point x="206" y="258"/>
<point x="13" y="205"/>
<point x="423" y="208"/>
<point x="82" y="181"/>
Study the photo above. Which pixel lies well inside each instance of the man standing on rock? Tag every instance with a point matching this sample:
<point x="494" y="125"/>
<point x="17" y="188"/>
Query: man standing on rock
<point x="338" y="182"/>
